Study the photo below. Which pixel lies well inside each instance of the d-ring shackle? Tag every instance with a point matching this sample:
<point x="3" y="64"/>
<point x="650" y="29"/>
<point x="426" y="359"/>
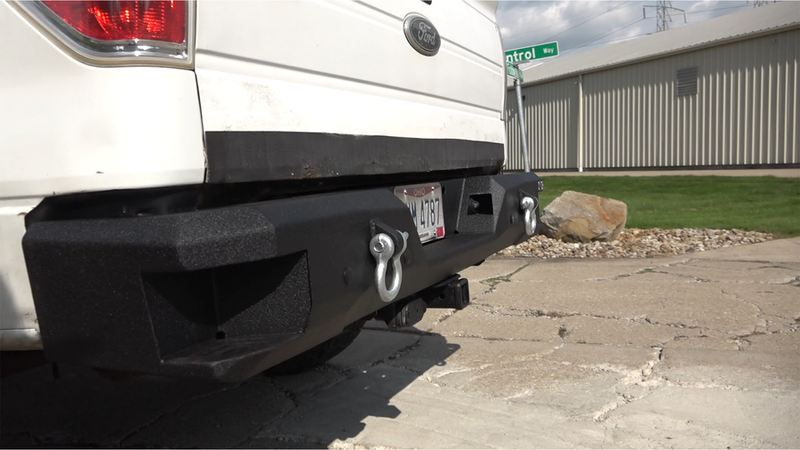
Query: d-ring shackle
<point x="383" y="249"/>
<point x="529" y="204"/>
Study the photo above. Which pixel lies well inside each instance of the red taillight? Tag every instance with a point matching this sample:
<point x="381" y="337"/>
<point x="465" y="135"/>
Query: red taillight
<point x="124" y="20"/>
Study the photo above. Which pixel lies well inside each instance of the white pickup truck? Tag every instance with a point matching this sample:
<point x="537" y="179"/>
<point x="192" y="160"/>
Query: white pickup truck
<point x="215" y="188"/>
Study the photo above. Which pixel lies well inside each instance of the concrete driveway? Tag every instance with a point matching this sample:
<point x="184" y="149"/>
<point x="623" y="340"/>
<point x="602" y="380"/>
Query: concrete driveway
<point x="690" y="351"/>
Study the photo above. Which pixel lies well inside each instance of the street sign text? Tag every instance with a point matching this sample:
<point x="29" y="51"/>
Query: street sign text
<point x="534" y="52"/>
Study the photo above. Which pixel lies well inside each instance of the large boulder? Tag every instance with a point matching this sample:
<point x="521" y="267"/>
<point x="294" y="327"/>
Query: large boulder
<point x="577" y="217"/>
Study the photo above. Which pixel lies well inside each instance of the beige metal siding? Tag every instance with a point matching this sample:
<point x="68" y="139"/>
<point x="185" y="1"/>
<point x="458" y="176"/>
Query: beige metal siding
<point x="744" y="113"/>
<point x="551" y="115"/>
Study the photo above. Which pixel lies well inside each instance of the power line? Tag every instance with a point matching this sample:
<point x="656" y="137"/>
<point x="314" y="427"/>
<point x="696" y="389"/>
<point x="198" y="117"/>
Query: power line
<point x="587" y="20"/>
<point x="587" y="17"/>
<point x="592" y="42"/>
<point x="607" y="34"/>
<point x="716" y="9"/>
<point x="612" y="40"/>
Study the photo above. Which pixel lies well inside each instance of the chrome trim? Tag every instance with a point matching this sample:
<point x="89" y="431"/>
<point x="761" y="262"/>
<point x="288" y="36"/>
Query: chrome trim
<point x="20" y="339"/>
<point x="414" y="40"/>
<point x="113" y="53"/>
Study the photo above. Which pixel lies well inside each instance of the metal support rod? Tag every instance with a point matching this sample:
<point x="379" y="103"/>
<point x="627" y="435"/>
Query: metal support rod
<point x="580" y="122"/>
<point x="521" y="117"/>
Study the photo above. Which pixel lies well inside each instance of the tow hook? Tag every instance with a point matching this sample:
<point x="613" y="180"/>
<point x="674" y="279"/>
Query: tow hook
<point x="528" y="204"/>
<point x="387" y="245"/>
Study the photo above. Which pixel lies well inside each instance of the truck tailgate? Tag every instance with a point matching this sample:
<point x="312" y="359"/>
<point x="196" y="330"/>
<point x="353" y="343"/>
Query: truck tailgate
<point x="291" y="89"/>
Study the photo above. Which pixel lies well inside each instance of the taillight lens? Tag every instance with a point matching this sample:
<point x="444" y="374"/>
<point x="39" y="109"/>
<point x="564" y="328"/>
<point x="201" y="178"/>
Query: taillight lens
<point x="124" y="20"/>
<point x="120" y="32"/>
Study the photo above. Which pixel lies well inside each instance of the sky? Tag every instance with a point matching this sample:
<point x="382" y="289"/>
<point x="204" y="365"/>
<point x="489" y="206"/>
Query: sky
<point x="581" y="25"/>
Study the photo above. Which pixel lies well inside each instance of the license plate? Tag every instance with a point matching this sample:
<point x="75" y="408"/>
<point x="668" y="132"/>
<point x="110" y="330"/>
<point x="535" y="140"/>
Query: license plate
<point x="424" y="201"/>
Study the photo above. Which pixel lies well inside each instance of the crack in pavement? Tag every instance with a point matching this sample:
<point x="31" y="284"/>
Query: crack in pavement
<point x="127" y="437"/>
<point x="792" y="282"/>
<point x="741" y="339"/>
<point x="646" y="270"/>
<point x="56" y="441"/>
<point x="642" y="377"/>
<point x="492" y="282"/>
<point x="289" y="395"/>
<point x="436" y="322"/>
<point x="504" y="311"/>
<point x="520" y="359"/>
<point x="399" y="353"/>
<point x="461" y="334"/>
<point x="691" y="277"/>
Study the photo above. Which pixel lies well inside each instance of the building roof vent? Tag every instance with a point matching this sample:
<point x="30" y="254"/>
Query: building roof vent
<point x="687" y="81"/>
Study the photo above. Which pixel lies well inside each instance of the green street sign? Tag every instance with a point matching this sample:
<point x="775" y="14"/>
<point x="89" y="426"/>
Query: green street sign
<point x="534" y="52"/>
<point x="513" y="71"/>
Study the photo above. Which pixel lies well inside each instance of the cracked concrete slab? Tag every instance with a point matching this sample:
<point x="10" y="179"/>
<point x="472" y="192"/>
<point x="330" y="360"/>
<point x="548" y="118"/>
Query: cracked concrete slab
<point x="372" y="347"/>
<point x="737" y="272"/>
<point x="437" y="356"/>
<point x="696" y="351"/>
<point x="217" y="420"/>
<point x="716" y="417"/>
<point x="777" y="251"/>
<point x="597" y="330"/>
<point x="694" y="339"/>
<point x="484" y="278"/>
<point x="476" y="321"/>
<point x="82" y="408"/>
<point x="732" y="370"/>
<point x="559" y="272"/>
<point x="494" y="268"/>
<point x="780" y="343"/>
<point x="780" y="302"/>
<point x="651" y="297"/>
<point x="429" y="416"/>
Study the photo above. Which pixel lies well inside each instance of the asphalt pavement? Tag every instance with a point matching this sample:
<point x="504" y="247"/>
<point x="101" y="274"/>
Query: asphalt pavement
<point x="689" y="351"/>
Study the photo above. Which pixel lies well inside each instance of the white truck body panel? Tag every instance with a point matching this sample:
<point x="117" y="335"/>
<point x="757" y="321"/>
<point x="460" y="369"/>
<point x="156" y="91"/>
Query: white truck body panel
<point x="306" y="66"/>
<point x="18" y="324"/>
<point x="348" y="70"/>
<point x="130" y="127"/>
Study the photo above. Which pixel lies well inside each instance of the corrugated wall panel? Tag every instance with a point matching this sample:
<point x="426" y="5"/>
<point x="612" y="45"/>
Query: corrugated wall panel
<point x="744" y="112"/>
<point x="551" y="117"/>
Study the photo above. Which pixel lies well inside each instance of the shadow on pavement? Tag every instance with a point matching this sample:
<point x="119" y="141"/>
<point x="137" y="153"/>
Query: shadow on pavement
<point x="310" y="410"/>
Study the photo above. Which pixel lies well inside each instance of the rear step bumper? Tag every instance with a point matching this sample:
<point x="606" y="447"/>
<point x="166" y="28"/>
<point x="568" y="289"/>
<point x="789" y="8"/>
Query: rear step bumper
<point x="227" y="293"/>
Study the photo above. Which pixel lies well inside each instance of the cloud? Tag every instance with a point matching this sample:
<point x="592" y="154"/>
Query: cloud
<point x="583" y="25"/>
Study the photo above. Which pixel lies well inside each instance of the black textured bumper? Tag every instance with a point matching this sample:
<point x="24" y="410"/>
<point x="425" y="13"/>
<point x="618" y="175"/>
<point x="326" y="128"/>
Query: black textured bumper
<point x="227" y="293"/>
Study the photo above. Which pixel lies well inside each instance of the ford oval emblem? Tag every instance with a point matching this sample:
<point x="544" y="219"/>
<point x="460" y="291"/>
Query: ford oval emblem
<point x="421" y="34"/>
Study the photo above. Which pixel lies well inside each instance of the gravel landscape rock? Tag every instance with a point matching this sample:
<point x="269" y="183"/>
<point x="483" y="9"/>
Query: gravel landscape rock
<point x="637" y="243"/>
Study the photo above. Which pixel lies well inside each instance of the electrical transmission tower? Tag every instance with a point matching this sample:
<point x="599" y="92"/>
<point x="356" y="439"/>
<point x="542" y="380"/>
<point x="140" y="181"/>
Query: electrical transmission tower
<point x="664" y="9"/>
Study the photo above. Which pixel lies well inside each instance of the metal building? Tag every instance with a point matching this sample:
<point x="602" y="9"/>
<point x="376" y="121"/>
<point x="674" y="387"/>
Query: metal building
<point x="721" y="93"/>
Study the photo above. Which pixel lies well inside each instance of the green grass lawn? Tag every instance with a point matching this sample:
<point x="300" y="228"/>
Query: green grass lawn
<point x="766" y="204"/>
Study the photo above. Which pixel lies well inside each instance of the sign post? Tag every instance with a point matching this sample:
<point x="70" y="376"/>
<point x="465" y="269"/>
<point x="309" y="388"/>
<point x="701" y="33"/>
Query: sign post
<point x="513" y="60"/>
<point x="521" y="116"/>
